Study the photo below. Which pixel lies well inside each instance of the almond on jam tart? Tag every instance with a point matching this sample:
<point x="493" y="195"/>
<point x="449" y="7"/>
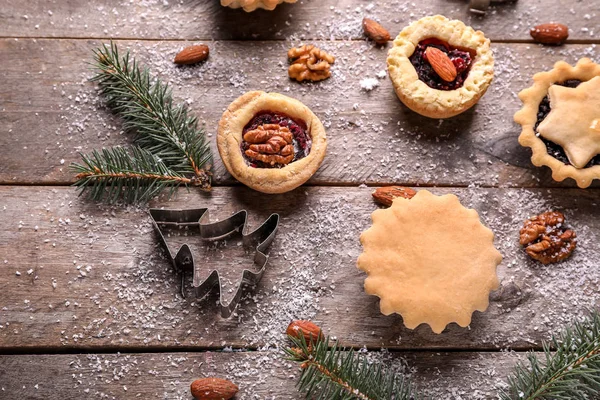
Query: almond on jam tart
<point x="429" y="259"/>
<point x="440" y="67"/>
<point x="251" y="5"/>
<point x="560" y="121"/>
<point x="271" y="142"/>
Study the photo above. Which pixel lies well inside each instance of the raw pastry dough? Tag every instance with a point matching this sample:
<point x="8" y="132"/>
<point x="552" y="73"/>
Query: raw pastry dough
<point x="430" y="260"/>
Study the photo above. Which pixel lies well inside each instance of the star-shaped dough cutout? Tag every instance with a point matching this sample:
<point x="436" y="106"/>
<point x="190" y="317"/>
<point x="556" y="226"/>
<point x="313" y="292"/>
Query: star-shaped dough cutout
<point x="574" y="121"/>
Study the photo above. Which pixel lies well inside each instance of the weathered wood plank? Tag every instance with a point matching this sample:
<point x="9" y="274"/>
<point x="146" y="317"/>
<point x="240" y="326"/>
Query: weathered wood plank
<point x="49" y="112"/>
<point x="260" y="375"/>
<point x="311" y="19"/>
<point x="76" y="275"/>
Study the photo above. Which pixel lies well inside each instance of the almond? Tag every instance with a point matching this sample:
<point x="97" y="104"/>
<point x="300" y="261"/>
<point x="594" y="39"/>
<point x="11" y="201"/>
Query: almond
<point x="192" y="55"/>
<point x="386" y="195"/>
<point x="550" y="33"/>
<point x="307" y="329"/>
<point x="375" y="32"/>
<point x="441" y="63"/>
<point x="213" y="389"/>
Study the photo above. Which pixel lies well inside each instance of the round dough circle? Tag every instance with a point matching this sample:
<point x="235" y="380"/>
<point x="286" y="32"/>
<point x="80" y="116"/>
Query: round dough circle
<point x="419" y="97"/>
<point x="268" y="180"/>
<point x="429" y="259"/>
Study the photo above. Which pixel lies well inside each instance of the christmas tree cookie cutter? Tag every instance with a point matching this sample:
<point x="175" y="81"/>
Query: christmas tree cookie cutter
<point x="197" y="221"/>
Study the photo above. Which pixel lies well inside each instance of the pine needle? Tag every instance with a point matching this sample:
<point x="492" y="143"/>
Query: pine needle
<point x="337" y="373"/>
<point x="170" y="148"/>
<point x="570" y="368"/>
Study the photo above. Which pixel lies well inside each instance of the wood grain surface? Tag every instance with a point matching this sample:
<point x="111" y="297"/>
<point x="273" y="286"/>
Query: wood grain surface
<point x="90" y="306"/>
<point x="82" y="276"/>
<point x="307" y="19"/>
<point x="51" y="112"/>
<point x="259" y="375"/>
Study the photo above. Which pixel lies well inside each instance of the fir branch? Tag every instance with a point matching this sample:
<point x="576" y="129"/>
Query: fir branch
<point x="116" y="174"/>
<point x="337" y="373"/>
<point x="570" y="369"/>
<point x="146" y="107"/>
<point x="171" y="147"/>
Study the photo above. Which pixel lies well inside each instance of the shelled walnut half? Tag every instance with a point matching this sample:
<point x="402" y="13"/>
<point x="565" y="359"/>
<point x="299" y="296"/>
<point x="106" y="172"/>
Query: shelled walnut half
<point x="271" y="144"/>
<point x="309" y="63"/>
<point x="546" y="239"/>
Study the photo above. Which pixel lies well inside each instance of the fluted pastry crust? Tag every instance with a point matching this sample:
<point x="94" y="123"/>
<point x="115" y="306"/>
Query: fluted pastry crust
<point x="419" y="97"/>
<point x="429" y="259"/>
<point x="251" y="5"/>
<point x="268" y="180"/>
<point x="584" y="70"/>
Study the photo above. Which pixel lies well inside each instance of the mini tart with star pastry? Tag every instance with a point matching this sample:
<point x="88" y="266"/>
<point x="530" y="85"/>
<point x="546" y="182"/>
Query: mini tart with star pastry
<point x="251" y="5"/>
<point x="466" y="56"/>
<point x="560" y="121"/>
<point x="429" y="259"/>
<point x="271" y="142"/>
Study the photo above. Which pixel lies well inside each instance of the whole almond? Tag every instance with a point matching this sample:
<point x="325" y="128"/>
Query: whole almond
<point x="192" y="55"/>
<point x="551" y="33"/>
<point x="386" y="195"/>
<point x="375" y="32"/>
<point x="441" y="63"/>
<point x="213" y="389"/>
<point x="307" y="329"/>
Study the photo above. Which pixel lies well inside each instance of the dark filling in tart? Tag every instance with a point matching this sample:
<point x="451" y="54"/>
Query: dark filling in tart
<point x="296" y="136"/>
<point x="461" y="59"/>
<point x="552" y="148"/>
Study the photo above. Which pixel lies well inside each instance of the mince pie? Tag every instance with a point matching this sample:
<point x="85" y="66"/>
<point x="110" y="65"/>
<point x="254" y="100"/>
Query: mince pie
<point x="560" y="121"/>
<point x="271" y="142"/>
<point x="430" y="260"/>
<point x="251" y="5"/>
<point x="440" y="67"/>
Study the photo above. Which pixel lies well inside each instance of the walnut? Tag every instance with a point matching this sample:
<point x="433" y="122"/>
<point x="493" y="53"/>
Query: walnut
<point x="546" y="239"/>
<point x="309" y="63"/>
<point x="270" y="144"/>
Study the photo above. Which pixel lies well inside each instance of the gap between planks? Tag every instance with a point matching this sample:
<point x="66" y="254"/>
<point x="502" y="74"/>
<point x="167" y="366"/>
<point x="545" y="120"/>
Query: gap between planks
<point x="153" y="39"/>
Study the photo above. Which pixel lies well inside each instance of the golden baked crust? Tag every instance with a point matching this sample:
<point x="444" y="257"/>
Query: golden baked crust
<point x="419" y="97"/>
<point x="251" y="5"/>
<point x="584" y="70"/>
<point x="429" y="259"/>
<point x="268" y="180"/>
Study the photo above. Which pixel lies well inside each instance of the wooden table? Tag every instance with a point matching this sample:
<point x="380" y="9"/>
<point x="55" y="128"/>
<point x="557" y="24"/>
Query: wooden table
<point x="89" y="305"/>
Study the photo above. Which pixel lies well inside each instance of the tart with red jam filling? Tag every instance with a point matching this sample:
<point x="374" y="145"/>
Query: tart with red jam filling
<point x="440" y="67"/>
<point x="560" y="121"/>
<point x="270" y="142"/>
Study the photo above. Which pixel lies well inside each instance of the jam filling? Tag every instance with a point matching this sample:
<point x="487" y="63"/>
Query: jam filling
<point x="302" y="141"/>
<point x="552" y="148"/>
<point x="461" y="59"/>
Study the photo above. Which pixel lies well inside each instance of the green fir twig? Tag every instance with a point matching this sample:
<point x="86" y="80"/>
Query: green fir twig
<point x="570" y="368"/>
<point x="107" y="173"/>
<point x="336" y="373"/>
<point x="170" y="148"/>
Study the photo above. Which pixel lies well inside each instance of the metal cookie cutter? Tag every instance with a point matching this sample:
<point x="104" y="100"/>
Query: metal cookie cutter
<point x="197" y="220"/>
<point x="481" y="6"/>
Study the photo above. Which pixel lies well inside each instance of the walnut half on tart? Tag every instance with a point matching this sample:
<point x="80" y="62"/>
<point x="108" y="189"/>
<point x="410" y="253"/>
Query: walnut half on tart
<point x="560" y="121"/>
<point x="440" y="67"/>
<point x="271" y="142"/>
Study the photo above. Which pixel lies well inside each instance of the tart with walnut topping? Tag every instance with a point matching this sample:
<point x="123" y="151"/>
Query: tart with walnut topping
<point x="560" y="121"/>
<point x="271" y="142"/>
<point x="440" y="67"/>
